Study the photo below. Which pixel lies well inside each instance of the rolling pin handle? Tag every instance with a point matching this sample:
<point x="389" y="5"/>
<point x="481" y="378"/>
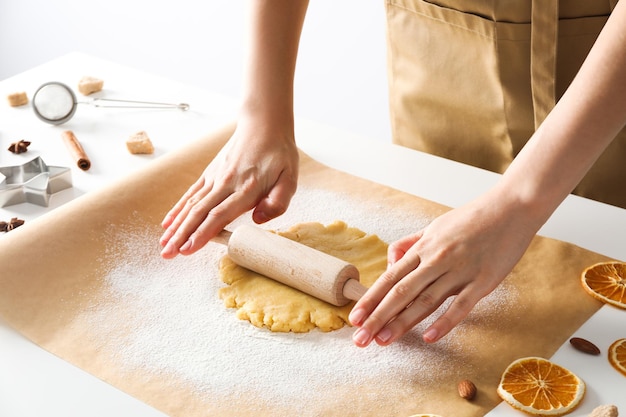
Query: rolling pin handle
<point x="222" y="237"/>
<point x="353" y="289"/>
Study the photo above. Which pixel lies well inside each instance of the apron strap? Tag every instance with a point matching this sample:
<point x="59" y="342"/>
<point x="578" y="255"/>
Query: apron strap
<point x="543" y="47"/>
<point x="543" y="44"/>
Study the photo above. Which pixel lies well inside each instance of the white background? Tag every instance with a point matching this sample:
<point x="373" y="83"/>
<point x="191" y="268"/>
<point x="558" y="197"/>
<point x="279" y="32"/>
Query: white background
<point x="341" y="75"/>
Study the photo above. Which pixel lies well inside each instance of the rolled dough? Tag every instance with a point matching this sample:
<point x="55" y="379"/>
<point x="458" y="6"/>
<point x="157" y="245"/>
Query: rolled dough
<point x="280" y="308"/>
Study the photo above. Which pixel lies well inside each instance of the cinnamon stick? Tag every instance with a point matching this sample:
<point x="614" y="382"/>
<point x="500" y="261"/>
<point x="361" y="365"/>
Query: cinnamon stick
<point x="76" y="150"/>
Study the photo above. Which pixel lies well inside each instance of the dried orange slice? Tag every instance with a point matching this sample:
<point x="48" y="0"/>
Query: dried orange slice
<point x="606" y="281"/>
<point x="617" y="355"/>
<point x="540" y="387"/>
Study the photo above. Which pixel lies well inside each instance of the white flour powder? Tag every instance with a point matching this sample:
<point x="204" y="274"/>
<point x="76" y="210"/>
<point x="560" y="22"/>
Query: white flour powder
<point x="164" y="317"/>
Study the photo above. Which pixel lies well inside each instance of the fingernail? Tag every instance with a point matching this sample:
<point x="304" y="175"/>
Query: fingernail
<point x="430" y="335"/>
<point x="356" y="317"/>
<point x="166" y="251"/>
<point x="169" y="251"/>
<point x="260" y="217"/>
<point x="166" y="221"/>
<point x="361" y="337"/>
<point x="186" y="246"/>
<point x="384" y="335"/>
<point x="165" y="237"/>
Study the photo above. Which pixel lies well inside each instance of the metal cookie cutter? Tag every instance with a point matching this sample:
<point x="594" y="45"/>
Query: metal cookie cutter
<point x="32" y="182"/>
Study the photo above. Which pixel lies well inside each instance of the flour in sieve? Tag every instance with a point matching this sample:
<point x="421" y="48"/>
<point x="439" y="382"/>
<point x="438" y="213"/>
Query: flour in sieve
<point x="164" y="317"/>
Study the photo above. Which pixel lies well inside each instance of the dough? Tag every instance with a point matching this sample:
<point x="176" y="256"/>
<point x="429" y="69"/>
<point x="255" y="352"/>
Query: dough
<point x="280" y="308"/>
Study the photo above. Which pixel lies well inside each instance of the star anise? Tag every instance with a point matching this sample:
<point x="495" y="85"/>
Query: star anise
<point x="19" y="147"/>
<point x="12" y="224"/>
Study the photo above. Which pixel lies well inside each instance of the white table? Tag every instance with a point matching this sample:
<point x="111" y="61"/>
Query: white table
<point x="34" y="382"/>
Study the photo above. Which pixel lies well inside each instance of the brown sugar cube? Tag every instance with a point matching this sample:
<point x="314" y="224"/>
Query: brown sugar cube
<point x="89" y="85"/>
<point x="139" y="143"/>
<point x="17" y="99"/>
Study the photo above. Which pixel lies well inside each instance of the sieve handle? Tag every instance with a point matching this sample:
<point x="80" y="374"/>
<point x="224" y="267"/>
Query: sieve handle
<point x="134" y="104"/>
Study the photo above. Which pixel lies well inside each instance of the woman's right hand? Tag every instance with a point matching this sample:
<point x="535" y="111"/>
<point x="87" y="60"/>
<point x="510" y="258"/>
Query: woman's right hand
<point x="257" y="169"/>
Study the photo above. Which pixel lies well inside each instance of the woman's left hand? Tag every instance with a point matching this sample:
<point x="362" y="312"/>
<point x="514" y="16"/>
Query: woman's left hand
<point x="465" y="253"/>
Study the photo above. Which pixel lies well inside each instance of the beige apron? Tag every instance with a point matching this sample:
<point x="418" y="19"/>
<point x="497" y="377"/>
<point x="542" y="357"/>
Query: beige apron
<point x="472" y="84"/>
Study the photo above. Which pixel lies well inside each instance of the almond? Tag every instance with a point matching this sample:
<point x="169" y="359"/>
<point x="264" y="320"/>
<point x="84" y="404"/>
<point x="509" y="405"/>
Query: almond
<point x="604" y="411"/>
<point x="584" y="345"/>
<point x="467" y="389"/>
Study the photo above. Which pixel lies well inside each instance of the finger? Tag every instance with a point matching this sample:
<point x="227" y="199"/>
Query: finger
<point x="382" y="287"/>
<point x="373" y="296"/>
<point x="178" y="207"/>
<point x="454" y="314"/>
<point x="181" y="213"/>
<point x="196" y="210"/>
<point x="399" y="248"/>
<point x="215" y="220"/>
<point x="396" y="251"/>
<point x="277" y="200"/>
<point x="425" y="303"/>
<point x="392" y="302"/>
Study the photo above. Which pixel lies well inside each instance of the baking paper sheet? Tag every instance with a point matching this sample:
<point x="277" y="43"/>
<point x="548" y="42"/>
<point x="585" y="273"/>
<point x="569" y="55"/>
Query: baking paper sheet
<point x="56" y="289"/>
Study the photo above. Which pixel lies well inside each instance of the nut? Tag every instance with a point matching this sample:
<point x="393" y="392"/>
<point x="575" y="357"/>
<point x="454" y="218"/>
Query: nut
<point x="467" y="389"/>
<point x="604" y="411"/>
<point x="584" y="345"/>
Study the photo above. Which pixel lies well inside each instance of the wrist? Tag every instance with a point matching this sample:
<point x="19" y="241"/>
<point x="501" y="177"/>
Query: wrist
<point x="525" y="201"/>
<point x="267" y="112"/>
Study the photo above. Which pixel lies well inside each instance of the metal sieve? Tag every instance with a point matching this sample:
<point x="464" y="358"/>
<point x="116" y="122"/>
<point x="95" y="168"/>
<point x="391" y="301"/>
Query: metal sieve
<point x="56" y="103"/>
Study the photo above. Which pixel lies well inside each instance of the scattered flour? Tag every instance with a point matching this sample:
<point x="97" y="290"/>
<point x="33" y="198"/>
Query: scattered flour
<point x="165" y="318"/>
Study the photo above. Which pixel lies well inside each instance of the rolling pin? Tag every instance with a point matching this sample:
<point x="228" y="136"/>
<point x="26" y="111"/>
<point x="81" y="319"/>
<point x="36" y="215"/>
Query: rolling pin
<point x="313" y="272"/>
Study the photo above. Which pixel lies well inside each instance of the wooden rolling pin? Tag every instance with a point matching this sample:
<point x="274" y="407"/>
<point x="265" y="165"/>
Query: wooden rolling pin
<point x="313" y="272"/>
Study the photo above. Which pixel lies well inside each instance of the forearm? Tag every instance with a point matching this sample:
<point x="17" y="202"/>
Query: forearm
<point x="272" y="45"/>
<point x="258" y="168"/>
<point x="584" y="122"/>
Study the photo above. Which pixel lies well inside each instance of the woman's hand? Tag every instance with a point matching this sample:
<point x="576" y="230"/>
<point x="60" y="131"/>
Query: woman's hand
<point x="466" y="252"/>
<point x="257" y="169"/>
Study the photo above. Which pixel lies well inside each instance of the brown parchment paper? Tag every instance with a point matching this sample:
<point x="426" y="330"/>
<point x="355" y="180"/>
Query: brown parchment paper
<point x="50" y="276"/>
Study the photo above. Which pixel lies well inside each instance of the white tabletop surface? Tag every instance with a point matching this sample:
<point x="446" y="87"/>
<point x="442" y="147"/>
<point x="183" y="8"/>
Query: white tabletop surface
<point x="35" y="383"/>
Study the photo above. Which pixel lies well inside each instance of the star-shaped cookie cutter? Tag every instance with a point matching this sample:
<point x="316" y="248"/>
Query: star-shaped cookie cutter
<point x="32" y="182"/>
